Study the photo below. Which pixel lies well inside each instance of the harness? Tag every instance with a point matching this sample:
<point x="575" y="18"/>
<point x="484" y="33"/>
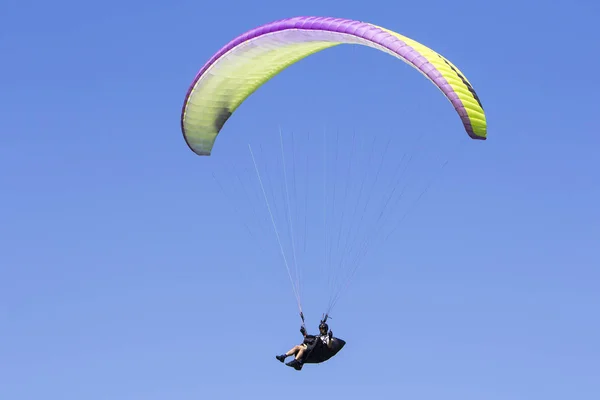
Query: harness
<point x="311" y="347"/>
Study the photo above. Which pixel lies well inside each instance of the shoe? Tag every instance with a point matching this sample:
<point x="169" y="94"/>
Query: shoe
<point x="281" y="357"/>
<point x="297" y="365"/>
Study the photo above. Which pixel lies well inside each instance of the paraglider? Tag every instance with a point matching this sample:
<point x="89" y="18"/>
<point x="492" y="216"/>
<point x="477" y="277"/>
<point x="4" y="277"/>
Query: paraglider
<point x="314" y="349"/>
<point x="247" y="62"/>
<point x="253" y="58"/>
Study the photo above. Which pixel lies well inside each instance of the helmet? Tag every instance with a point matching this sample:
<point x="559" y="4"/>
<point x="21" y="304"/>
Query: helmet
<point x="323" y="327"/>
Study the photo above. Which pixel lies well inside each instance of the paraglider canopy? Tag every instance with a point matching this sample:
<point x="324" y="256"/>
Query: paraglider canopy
<point x="253" y="58"/>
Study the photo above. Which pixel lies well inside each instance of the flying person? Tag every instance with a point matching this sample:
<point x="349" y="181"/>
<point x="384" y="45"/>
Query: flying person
<point x="323" y="342"/>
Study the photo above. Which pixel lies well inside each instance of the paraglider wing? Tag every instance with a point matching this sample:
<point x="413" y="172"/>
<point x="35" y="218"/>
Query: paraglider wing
<point x="250" y="60"/>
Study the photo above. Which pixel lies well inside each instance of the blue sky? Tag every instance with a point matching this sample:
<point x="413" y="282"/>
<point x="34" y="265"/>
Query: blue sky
<point x="125" y="275"/>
